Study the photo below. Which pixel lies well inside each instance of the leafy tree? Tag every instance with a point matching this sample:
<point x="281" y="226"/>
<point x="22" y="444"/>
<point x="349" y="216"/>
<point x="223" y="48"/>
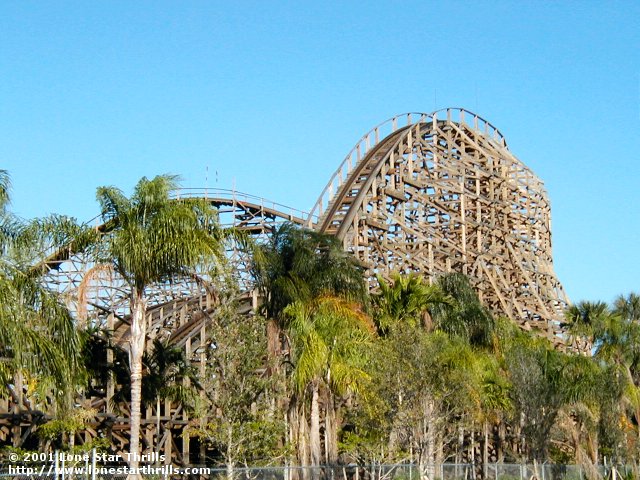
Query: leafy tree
<point x="66" y="427"/>
<point x="241" y="424"/>
<point x="422" y="384"/>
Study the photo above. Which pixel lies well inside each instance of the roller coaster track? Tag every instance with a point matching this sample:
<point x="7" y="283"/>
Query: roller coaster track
<point x="370" y="143"/>
<point x="422" y="192"/>
<point x="441" y="192"/>
<point x="428" y="193"/>
<point x="177" y="310"/>
<point x="254" y="215"/>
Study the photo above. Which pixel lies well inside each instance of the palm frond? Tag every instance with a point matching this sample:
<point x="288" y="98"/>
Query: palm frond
<point x="5" y="187"/>
<point x="112" y="202"/>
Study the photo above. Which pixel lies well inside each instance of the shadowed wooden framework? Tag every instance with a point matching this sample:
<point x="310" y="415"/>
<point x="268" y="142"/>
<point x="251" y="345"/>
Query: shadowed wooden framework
<point x="427" y="193"/>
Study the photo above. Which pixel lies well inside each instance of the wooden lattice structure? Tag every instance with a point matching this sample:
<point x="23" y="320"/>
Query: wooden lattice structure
<point x="180" y="311"/>
<point x="427" y="193"/>
<point x="441" y="192"/>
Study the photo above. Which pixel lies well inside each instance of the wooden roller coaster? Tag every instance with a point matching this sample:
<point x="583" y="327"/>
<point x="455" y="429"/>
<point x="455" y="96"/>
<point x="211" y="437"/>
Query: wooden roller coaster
<point x="442" y="192"/>
<point x="427" y="193"/>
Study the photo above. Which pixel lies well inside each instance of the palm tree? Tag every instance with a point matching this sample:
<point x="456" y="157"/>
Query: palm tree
<point x="169" y="376"/>
<point x="495" y="403"/>
<point x="167" y="373"/>
<point x="464" y="316"/>
<point x="406" y="299"/>
<point x="37" y="333"/>
<point x="153" y="238"/>
<point x="628" y="307"/>
<point x="618" y="344"/>
<point x="329" y="334"/>
<point x="6" y="232"/>
<point x="586" y="321"/>
<point x="613" y="336"/>
<point x="583" y="380"/>
<point x="298" y="265"/>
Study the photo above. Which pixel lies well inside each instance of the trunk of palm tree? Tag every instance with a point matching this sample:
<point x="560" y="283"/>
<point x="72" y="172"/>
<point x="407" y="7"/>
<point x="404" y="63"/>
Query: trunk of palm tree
<point x="136" y="350"/>
<point x="293" y="433"/>
<point x="314" y="427"/>
<point x="273" y="345"/>
<point x="485" y="449"/>
<point x="330" y="431"/>
<point x="303" y="442"/>
<point x="427" y="321"/>
<point x="502" y="433"/>
<point x="298" y="436"/>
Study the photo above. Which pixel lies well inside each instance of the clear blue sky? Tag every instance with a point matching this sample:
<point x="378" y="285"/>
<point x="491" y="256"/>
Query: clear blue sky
<point x="272" y="95"/>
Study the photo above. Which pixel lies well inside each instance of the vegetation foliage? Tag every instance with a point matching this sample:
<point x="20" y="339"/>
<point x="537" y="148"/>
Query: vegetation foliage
<point x="324" y="372"/>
